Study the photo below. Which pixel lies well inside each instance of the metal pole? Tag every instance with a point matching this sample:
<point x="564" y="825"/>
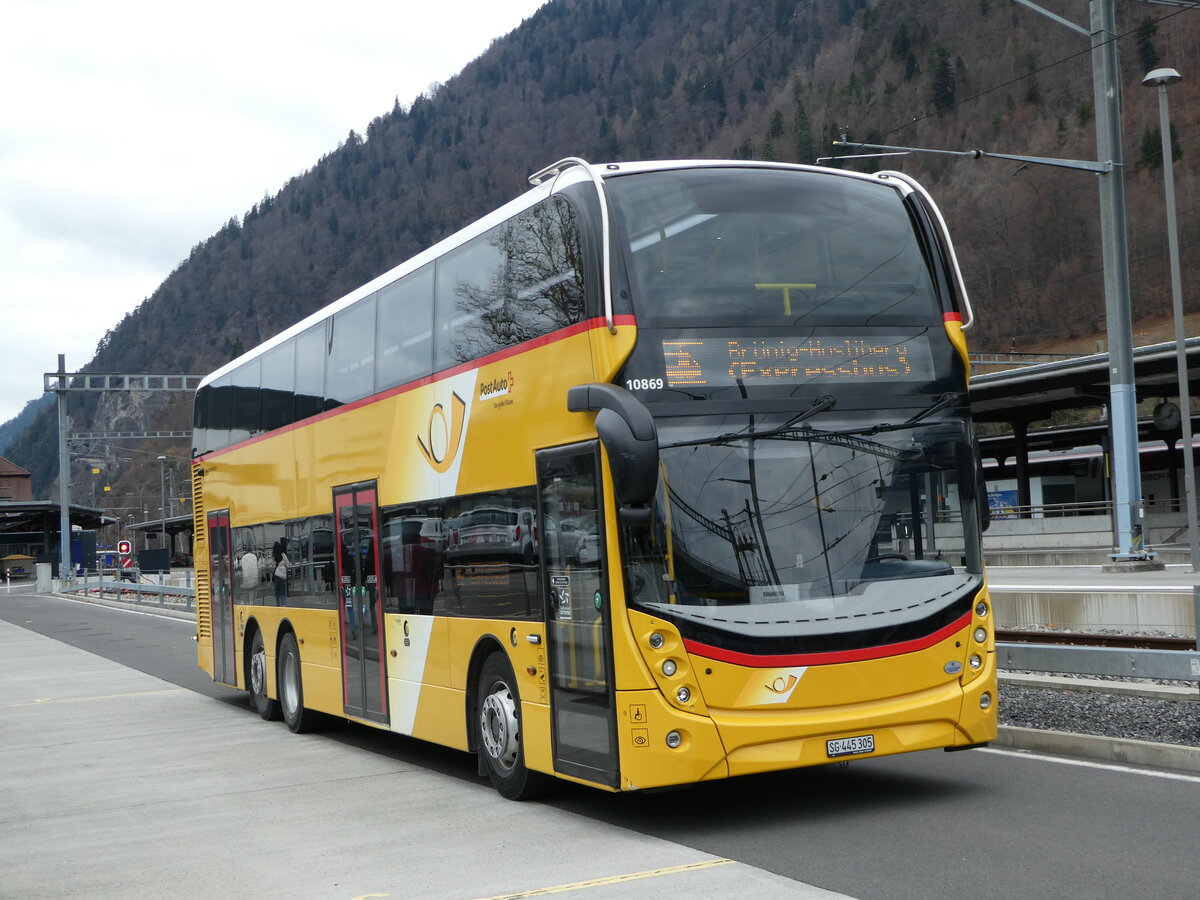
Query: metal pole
<point x="162" y="471"/>
<point x="1127" y="502"/>
<point x="64" y="477"/>
<point x="1161" y="78"/>
<point x="1106" y="87"/>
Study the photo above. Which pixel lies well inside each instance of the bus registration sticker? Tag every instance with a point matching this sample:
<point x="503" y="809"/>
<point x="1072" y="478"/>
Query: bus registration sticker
<point x="863" y="743"/>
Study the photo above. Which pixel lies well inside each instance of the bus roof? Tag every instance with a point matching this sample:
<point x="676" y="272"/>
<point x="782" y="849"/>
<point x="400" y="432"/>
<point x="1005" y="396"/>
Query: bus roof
<point x="565" y="177"/>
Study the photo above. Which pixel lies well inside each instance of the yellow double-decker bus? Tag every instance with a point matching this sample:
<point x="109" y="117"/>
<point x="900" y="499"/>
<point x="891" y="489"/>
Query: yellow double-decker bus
<point x="662" y="472"/>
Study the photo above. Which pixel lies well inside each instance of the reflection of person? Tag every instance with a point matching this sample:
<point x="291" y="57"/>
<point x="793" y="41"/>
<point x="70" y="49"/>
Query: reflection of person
<point x="281" y="572"/>
<point x="248" y="568"/>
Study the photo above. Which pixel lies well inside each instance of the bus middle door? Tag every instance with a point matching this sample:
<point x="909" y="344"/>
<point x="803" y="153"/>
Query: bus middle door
<point x="220" y="582"/>
<point x="356" y="546"/>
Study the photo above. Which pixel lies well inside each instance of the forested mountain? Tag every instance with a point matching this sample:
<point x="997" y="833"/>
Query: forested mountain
<point x="630" y="79"/>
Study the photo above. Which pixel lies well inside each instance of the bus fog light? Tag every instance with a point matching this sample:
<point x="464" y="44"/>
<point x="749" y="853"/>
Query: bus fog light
<point x="668" y="667"/>
<point x="656" y="640"/>
<point x="683" y="694"/>
<point x="981" y="609"/>
<point x="976" y="661"/>
<point x="674" y="739"/>
<point x="980" y="635"/>
<point x="985" y="700"/>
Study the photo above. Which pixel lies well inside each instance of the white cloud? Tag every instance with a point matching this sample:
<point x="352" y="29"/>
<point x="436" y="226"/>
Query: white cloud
<point x="131" y="130"/>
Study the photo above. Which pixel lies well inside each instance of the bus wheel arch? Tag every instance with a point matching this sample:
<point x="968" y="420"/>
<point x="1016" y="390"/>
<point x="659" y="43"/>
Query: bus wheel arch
<point x="255" y="656"/>
<point x="485" y="648"/>
<point x="289" y="683"/>
<point x="494" y="708"/>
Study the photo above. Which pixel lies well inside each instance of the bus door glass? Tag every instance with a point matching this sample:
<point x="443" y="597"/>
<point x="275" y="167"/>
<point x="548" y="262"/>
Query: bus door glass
<point x="356" y="537"/>
<point x="220" y="569"/>
<point x="578" y="622"/>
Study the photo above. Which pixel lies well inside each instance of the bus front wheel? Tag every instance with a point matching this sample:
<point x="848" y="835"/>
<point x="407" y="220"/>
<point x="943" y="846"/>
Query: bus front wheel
<point x="290" y="687"/>
<point x="256" y="681"/>
<point x="498" y="723"/>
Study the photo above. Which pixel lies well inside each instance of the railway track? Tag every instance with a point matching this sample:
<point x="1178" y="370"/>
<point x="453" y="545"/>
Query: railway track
<point x="1071" y="638"/>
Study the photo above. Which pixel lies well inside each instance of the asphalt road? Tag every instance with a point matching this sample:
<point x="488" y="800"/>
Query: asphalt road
<point x="984" y="823"/>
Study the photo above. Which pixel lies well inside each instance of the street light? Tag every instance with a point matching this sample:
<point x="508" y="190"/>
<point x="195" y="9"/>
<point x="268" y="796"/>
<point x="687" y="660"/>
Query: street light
<point x="162" y="468"/>
<point x="1160" y="78"/>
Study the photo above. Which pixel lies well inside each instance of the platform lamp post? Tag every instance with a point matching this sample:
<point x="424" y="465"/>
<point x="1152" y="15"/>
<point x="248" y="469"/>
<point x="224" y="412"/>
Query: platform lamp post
<point x="1160" y="78"/>
<point x="162" y="469"/>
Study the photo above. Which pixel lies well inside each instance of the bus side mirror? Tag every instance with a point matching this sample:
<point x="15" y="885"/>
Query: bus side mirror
<point x="626" y="429"/>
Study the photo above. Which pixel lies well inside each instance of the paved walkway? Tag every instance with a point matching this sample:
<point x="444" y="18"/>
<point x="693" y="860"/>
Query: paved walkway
<point x="117" y="784"/>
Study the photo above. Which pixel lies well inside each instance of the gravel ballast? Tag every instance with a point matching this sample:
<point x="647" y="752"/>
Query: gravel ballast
<point x="1102" y="714"/>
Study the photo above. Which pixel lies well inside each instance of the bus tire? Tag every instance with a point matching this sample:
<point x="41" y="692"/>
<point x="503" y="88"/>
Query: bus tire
<point x="498" y="731"/>
<point x="291" y="688"/>
<point x="256" y="680"/>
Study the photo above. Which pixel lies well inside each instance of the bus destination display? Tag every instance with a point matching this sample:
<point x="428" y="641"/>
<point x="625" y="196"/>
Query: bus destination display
<point x="765" y="361"/>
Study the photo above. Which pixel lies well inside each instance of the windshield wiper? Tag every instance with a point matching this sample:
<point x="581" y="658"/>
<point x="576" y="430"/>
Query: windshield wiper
<point x="820" y="405"/>
<point x="948" y="399"/>
<point x="854" y="438"/>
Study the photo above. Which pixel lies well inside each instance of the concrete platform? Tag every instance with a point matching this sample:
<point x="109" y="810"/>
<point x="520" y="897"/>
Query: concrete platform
<point x="117" y="784"/>
<point x="1085" y="597"/>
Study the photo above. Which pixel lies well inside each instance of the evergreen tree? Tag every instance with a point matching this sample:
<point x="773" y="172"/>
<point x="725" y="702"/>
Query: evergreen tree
<point x="768" y="151"/>
<point x="1147" y="54"/>
<point x="804" y="145"/>
<point x="944" y="90"/>
<point x="776" y="128"/>
<point x="1151" y="155"/>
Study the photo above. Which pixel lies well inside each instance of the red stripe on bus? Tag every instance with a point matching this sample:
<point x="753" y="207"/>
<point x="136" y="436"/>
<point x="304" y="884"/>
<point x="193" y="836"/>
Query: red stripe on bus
<point x="500" y="355"/>
<point x="758" y="661"/>
<point x="952" y="317"/>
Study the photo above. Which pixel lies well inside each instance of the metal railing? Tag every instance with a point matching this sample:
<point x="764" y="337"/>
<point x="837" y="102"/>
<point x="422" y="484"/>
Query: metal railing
<point x="1169" y="665"/>
<point x="1015" y="359"/>
<point x="1052" y="510"/>
<point x="105" y="586"/>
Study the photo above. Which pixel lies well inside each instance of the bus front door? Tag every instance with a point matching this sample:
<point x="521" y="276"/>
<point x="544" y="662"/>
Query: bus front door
<point x="356" y="543"/>
<point x="578" y="624"/>
<point x="220" y="575"/>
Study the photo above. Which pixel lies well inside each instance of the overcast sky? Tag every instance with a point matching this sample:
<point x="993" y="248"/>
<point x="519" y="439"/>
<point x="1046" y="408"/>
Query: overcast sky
<point x="131" y="130"/>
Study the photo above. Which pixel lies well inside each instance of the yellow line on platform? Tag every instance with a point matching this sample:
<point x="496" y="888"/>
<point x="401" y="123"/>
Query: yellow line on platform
<point x="612" y="879"/>
<point x="42" y="701"/>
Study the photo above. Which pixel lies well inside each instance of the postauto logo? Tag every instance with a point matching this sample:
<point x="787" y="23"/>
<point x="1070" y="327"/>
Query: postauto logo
<point x="443" y="433"/>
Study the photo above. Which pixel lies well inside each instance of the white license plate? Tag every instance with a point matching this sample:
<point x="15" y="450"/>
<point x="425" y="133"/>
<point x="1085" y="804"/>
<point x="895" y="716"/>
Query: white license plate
<point x="863" y="743"/>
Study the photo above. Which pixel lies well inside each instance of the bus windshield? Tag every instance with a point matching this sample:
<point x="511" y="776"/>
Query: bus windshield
<point x="831" y="535"/>
<point x="770" y="247"/>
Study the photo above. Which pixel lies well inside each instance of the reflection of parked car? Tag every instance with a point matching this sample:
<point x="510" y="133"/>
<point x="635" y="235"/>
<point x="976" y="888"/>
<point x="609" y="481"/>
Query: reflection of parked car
<point x="579" y="543"/>
<point x="402" y="538"/>
<point x="493" y="532"/>
<point x="413" y="529"/>
<point x="412" y="560"/>
<point x="357" y="540"/>
<point x="587" y="550"/>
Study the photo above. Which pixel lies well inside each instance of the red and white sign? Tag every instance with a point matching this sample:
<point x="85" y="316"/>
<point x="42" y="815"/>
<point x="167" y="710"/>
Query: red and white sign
<point x="127" y="562"/>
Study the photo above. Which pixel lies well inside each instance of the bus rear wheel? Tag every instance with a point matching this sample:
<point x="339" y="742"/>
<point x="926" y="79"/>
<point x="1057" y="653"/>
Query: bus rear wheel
<point x="291" y="688"/>
<point x="498" y="724"/>
<point x="256" y="680"/>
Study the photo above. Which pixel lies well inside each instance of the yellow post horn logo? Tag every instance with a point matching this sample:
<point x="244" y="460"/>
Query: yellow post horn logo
<point x="442" y="438"/>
